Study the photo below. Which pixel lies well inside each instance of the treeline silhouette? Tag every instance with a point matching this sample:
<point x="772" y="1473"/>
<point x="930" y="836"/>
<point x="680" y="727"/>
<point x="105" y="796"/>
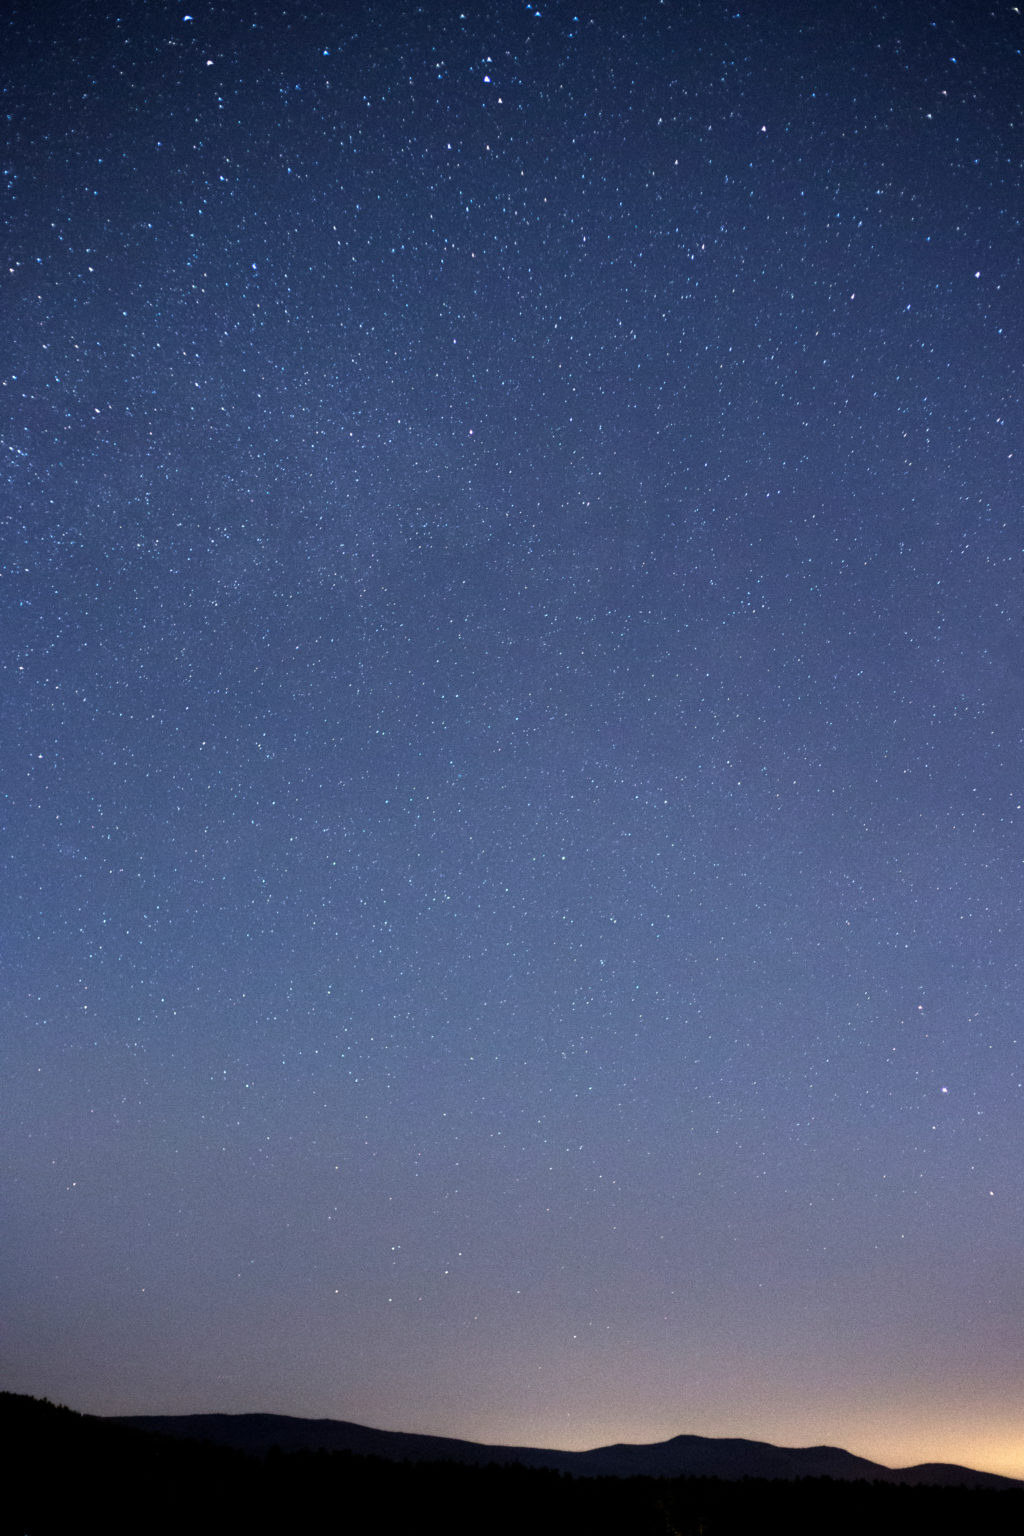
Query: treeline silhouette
<point x="69" y="1471"/>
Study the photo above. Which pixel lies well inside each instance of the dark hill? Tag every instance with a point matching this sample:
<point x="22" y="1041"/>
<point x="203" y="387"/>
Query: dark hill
<point x="66" y="1471"/>
<point x="682" y="1456"/>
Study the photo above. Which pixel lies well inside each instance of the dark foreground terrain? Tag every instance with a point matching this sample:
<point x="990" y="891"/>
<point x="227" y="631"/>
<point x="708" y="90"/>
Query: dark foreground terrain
<point x="69" y="1471"/>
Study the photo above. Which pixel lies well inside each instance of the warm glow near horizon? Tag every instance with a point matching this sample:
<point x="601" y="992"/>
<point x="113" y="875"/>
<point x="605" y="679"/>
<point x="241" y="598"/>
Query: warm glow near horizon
<point x="997" y="1450"/>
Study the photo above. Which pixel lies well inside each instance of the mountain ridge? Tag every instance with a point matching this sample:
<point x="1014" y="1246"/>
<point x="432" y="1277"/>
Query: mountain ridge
<point x="682" y="1455"/>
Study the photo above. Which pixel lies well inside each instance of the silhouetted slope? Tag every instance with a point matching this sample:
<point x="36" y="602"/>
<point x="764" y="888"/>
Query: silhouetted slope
<point x="682" y="1456"/>
<point x="698" y="1456"/>
<point x="260" y="1432"/>
<point x="66" y="1472"/>
<point x="946" y="1474"/>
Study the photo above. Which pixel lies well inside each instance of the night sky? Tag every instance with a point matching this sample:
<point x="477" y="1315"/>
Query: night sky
<point x="512" y="718"/>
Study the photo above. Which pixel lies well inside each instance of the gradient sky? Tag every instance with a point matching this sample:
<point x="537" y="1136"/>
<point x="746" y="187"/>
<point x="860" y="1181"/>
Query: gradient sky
<point x="512" y="740"/>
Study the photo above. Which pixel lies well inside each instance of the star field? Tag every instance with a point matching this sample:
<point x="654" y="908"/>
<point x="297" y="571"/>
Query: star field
<point x="513" y="832"/>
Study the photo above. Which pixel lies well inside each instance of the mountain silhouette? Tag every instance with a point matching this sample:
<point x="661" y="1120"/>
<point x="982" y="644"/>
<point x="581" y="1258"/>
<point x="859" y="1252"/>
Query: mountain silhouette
<point x="682" y="1456"/>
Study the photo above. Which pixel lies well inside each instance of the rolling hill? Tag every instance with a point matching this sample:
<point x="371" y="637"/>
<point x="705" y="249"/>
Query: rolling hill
<point x="682" y="1456"/>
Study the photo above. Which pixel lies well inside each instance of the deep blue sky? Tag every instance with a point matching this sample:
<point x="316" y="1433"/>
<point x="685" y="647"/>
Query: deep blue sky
<point x="511" y="762"/>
